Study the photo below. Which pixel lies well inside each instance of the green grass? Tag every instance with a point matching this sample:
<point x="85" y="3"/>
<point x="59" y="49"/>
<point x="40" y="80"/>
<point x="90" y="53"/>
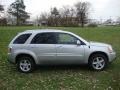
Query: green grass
<point x="62" y="77"/>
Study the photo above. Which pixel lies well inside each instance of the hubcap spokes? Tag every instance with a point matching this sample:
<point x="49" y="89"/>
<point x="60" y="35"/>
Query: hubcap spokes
<point x="98" y="63"/>
<point x="25" y="65"/>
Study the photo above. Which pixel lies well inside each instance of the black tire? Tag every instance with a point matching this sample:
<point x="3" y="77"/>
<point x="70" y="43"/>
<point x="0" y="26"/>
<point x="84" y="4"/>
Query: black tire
<point x="97" y="66"/>
<point x="30" y="65"/>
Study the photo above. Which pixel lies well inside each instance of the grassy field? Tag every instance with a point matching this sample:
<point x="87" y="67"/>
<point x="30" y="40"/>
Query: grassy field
<point x="62" y="77"/>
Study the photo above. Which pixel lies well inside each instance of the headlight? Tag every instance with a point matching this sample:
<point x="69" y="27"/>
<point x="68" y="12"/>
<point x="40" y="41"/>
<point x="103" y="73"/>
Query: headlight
<point x="110" y="49"/>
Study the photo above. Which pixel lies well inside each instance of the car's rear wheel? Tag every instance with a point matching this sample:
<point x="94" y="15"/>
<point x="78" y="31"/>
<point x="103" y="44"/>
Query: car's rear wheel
<point x="98" y="62"/>
<point x="25" y="64"/>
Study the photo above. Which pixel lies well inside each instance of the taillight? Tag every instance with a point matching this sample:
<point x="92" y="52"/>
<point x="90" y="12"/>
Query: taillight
<point x="9" y="49"/>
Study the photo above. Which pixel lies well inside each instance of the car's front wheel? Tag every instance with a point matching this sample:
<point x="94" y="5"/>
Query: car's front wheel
<point x="25" y="64"/>
<point x="98" y="62"/>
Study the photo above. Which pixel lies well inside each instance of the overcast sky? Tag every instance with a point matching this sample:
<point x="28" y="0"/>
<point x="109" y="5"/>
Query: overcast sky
<point x="100" y="9"/>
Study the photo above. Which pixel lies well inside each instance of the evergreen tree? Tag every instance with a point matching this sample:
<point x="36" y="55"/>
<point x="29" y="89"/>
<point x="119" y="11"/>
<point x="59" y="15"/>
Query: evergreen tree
<point x="17" y="9"/>
<point x="54" y="15"/>
<point x="1" y="8"/>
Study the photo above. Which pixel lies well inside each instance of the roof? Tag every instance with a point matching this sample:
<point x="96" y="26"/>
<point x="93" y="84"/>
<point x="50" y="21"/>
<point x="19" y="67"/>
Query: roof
<point x="42" y="30"/>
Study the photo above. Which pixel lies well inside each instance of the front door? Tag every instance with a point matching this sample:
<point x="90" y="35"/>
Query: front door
<point x="68" y="52"/>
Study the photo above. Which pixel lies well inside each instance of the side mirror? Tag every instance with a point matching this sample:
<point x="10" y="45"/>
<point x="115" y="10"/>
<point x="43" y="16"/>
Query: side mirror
<point x="78" y="42"/>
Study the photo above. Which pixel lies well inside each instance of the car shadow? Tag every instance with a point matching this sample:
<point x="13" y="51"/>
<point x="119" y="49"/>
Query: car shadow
<point x="46" y="68"/>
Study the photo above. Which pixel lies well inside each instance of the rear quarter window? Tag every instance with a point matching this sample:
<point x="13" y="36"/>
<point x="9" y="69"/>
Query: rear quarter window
<point x="21" y="39"/>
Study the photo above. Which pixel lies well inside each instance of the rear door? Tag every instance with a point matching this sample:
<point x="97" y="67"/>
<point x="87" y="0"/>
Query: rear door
<point x="43" y="45"/>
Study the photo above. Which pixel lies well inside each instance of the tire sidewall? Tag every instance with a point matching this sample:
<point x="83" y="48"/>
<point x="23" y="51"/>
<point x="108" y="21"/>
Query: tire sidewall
<point x="93" y="57"/>
<point x="31" y="62"/>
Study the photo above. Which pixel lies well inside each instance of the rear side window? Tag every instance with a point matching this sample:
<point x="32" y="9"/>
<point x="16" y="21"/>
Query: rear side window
<point x="44" y="38"/>
<point x="21" y="39"/>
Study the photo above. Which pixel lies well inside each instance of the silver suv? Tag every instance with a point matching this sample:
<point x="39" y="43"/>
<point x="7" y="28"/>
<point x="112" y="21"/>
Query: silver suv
<point x="36" y="47"/>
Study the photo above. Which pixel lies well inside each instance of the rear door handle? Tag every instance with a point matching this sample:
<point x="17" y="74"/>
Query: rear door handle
<point x="34" y="47"/>
<point x="59" y="46"/>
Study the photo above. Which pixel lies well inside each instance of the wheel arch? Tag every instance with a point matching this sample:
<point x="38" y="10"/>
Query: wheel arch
<point x="98" y="52"/>
<point x="24" y="54"/>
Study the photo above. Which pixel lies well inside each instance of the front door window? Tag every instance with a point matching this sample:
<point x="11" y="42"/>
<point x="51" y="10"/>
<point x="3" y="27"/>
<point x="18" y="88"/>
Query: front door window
<point x="64" y="38"/>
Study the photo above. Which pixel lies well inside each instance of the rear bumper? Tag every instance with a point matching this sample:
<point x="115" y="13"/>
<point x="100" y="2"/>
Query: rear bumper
<point x="11" y="58"/>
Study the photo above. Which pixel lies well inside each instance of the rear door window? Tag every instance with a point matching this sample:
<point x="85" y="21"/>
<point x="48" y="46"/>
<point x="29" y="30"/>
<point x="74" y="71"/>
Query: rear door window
<point x="44" y="38"/>
<point x="21" y="39"/>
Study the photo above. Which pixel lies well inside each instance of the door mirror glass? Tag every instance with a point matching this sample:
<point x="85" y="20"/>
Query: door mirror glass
<point x="78" y="42"/>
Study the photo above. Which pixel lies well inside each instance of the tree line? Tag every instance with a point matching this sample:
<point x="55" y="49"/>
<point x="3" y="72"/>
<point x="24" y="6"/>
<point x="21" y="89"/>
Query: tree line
<point x="76" y="15"/>
<point x="66" y="16"/>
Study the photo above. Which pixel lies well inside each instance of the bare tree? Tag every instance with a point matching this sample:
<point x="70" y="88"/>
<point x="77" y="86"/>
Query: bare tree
<point x="72" y="17"/>
<point x="65" y="14"/>
<point x="43" y="19"/>
<point x="68" y="17"/>
<point x="82" y="9"/>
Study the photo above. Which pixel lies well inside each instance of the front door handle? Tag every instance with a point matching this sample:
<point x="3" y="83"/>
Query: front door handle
<point x="32" y="47"/>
